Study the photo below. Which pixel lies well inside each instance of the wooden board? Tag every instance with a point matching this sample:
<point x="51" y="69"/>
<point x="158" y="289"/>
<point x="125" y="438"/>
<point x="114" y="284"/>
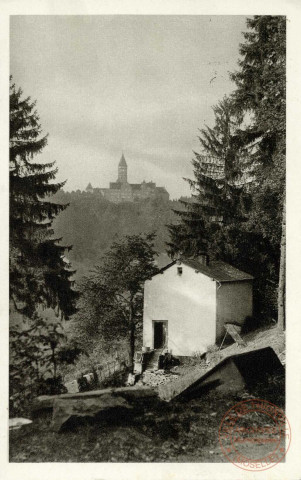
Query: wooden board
<point x="234" y="331"/>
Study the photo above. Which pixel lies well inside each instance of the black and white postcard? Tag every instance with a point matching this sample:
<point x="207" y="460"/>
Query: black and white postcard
<point x="151" y="223"/>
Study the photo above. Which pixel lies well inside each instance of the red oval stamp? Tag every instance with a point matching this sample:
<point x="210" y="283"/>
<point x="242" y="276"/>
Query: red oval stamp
<point x="255" y="435"/>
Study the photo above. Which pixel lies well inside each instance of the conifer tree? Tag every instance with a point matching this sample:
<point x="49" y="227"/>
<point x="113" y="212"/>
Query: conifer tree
<point x="261" y="92"/>
<point x="218" y="196"/>
<point x="39" y="272"/>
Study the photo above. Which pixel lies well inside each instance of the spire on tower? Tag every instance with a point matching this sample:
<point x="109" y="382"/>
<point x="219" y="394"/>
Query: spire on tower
<point x="122" y="170"/>
<point x="122" y="161"/>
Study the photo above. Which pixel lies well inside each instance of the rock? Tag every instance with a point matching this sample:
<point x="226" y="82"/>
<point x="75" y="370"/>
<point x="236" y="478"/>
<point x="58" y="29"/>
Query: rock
<point x="65" y="409"/>
<point x="159" y="377"/>
<point x="131" y="379"/>
<point x="72" y="387"/>
<point x="16" y="423"/>
<point x="138" y="368"/>
<point x="132" y="394"/>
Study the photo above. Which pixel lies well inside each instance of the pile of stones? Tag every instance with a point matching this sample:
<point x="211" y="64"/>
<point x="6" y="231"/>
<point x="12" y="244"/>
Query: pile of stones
<point x="153" y="378"/>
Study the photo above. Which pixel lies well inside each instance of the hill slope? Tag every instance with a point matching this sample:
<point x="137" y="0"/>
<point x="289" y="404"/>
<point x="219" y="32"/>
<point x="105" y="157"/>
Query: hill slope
<point x="91" y="224"/>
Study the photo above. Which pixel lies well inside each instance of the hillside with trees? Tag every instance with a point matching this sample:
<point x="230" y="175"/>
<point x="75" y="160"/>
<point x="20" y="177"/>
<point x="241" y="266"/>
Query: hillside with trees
<point x="92" y="224"/>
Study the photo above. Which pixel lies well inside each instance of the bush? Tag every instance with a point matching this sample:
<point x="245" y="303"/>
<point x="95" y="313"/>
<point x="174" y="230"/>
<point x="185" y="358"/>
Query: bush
<point x="33" y="363"/>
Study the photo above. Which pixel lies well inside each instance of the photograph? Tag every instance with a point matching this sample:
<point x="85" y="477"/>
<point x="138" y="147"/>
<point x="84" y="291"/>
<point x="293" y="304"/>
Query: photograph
<point x="147" y="240"/>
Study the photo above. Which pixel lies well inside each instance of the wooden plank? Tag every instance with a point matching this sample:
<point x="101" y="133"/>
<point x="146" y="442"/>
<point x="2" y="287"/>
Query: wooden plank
<point x="234" y="331"/>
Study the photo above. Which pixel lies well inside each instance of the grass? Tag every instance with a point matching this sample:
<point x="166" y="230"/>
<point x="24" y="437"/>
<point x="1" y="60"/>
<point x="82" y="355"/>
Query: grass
<point x="179" y="432"/>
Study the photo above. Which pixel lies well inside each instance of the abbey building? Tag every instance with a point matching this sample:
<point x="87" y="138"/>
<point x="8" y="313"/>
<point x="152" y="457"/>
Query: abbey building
<point x="122" y="191"/>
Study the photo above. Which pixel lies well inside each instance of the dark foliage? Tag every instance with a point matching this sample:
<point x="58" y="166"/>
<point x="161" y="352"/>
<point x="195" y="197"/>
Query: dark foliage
<point x="111" y="300"/>
<point x="39" y="272"/>
<point x="33" y="363"/>
<point x="107" y="222"/>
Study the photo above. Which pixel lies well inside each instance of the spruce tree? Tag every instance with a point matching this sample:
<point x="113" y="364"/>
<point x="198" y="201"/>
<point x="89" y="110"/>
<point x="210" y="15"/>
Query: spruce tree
<point x="39" y="272"/>
<point x="219" y="194"/>
<point x="261" y="93"/>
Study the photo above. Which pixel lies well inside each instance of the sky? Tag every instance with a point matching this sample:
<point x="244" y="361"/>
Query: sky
<point x="142" y="85"/>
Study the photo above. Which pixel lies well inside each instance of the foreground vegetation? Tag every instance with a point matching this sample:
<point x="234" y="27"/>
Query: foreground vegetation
<point x="178" y="432"/>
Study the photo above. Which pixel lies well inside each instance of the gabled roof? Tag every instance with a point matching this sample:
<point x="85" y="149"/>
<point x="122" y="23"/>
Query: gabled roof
<point x="217" y="270"/>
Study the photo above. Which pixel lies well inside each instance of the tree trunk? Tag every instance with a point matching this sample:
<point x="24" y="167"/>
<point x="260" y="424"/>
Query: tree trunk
<point x="132" y="335"/>
<point x="53" y="363"/>
<point x="281" y="286"/>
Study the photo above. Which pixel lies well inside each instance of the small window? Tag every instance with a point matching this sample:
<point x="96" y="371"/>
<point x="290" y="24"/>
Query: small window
<point x="180" y="270"/>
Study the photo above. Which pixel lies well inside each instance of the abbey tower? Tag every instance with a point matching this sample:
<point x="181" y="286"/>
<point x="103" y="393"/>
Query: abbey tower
<point x="122" y="171"/>
<point x="122" y="191"/>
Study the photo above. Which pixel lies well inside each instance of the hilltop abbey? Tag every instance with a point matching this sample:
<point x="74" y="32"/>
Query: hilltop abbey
<point x="122" y="191"/>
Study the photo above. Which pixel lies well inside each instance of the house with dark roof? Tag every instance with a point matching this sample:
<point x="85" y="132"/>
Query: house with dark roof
<point x="187" y="304"/>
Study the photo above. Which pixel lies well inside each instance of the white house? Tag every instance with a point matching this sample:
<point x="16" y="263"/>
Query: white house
<point x="188" y="302"/>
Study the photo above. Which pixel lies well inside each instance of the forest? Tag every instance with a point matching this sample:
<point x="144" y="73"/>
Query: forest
<point x="91" y="223"/>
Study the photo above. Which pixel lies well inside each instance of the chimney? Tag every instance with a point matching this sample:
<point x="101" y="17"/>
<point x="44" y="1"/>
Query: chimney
<point x="203" y="258"/>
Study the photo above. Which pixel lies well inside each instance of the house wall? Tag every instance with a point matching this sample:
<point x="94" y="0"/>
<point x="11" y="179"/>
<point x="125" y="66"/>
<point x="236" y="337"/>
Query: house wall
<point x="187" y="302"/>
<point x="234" y="302"/>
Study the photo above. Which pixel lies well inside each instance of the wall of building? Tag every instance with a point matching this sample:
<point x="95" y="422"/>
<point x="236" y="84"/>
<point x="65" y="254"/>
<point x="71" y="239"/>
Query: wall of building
<point x="234" y="304"/>
<point x="187" y="302"/>
<point x="127" y="194"/>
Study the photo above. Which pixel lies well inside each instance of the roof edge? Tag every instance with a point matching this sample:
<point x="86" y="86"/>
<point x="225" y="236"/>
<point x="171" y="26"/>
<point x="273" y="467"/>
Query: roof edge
<point x="164" y="268"/>
<point x="182" y="260"/>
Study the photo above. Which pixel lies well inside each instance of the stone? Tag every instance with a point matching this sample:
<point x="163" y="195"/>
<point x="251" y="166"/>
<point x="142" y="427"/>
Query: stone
<point x="65" y="409"/>
<point x="72" y="387"/>
<point x="131" y="379"/>
<point x="16" y="423"/>
<point x="137" y="367"/>
<point x="132" y="394"/>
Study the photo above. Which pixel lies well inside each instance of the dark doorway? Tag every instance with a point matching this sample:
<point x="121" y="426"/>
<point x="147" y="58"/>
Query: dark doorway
<point x="160" y="334"/>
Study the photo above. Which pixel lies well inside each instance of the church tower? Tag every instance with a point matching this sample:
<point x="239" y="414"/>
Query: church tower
<point x="122" y="171"/>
